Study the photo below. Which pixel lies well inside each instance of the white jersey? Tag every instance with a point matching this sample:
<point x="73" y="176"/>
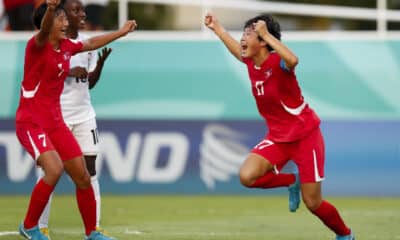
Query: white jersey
<point x="75" y="98"/>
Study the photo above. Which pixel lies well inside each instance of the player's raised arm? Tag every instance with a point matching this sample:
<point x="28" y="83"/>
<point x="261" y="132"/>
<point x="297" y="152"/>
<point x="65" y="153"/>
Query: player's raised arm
<point x="102" y="40"/>
<point x="95" y="75"/>
<point x="286" y="54"/>
<point x="47" y="22"/>
<point x="233" y="46"/>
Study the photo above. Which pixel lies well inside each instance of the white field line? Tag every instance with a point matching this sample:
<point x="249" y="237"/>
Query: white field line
<point x="136" y="232"/>
<point x="7" y="233"/>
<point x="133" y="232"/>
<point x="73" y="232"/>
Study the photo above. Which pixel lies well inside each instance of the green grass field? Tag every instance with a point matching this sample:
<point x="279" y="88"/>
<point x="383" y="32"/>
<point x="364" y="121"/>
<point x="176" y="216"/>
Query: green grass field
<point x="209" y="217"/>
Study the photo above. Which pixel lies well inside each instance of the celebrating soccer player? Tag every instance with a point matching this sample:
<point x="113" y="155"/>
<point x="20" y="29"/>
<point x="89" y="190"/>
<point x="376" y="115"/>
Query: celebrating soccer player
<point x="77" y="110"/>
<point x="40" y="127"/>
<point x="294" y="131"/>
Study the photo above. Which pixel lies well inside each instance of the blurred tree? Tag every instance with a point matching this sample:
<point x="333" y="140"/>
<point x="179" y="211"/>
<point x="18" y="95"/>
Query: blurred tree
<point x="158" y="16"/>
<point x="394" y="5"/>
<point x="326" y="23"/>
<point x="350" y="3"/>
<point x="148" y="16"/>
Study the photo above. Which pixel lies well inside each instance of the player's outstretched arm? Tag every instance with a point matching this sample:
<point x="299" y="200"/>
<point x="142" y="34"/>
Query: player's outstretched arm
<point x="102" y="40"/>
<point x="47" y="22"/>
<point x="233" y="46"/>
<point x="286" y="54"/>
<point x="95" y="75"/>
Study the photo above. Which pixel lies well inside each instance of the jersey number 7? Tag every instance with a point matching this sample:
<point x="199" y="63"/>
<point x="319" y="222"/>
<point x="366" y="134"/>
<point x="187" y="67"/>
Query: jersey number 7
<point x="42" y="136"/>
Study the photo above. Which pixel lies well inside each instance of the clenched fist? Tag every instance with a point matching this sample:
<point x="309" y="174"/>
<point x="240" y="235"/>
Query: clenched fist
<point x="211" y="21"/>
<point x="129" y="26"/>
<point x="52" y="4"/>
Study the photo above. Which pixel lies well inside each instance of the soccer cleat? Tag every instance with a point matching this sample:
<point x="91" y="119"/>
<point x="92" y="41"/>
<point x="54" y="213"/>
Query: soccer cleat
<point x="96" y="235"/>
<point x="347" y="237"/>
<point x="32" y="233"/>
<point x="45" y="231"/>
<point x="294" y="194"/>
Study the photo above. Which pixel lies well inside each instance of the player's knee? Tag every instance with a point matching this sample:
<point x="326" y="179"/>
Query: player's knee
<point x="54" y="174"/>
<point x="246" y="178"/>
<point x="312" y="203"/>
<point x="58" y="171"/>
<point x="82" y="181"/>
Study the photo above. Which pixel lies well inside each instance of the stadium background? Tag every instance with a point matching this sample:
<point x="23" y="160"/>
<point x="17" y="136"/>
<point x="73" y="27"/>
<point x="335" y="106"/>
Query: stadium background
<point x="177" y="116"/>
<point x="176" y="119"/>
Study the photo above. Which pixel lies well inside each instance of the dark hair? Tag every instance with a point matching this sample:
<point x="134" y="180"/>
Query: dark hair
<point x="62" y="3"/>
<point x="40" y="11"/>
<point x="273" y="26"/>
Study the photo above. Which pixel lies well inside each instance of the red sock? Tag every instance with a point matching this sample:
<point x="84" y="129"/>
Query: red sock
<point x="87" y="208"/>
<point x="272" y="180"/>
<point x="39" y="198"/>
<point x="330" y="216"/>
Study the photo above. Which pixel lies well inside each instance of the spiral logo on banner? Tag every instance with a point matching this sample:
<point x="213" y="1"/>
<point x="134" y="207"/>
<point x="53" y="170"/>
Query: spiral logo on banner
<point x="221" y="154"/>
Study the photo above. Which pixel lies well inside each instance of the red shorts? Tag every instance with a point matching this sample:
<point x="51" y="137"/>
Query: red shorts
<point x="36" y="141"/>
<point x="308" y="154"/>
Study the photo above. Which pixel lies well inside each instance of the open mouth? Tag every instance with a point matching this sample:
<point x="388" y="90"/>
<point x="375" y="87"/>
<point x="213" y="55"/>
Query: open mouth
<point x="244" y="48"/>
<point x="64" y="31"/>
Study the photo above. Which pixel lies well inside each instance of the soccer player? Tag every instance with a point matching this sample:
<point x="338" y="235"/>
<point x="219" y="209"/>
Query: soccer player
<point x="294" y="131"/>
<point x="40" y="127"/>
<point x="77" y="110"/>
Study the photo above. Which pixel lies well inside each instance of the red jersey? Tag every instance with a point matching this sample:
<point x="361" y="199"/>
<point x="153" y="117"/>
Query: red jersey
<point x="45" y="70"/>
<point x="279" y="100"/>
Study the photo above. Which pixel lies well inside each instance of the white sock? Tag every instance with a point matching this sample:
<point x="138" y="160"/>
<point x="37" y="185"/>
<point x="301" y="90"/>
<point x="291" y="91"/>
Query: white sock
<point x="44" y="218"/>
<point x="96" y="189"/>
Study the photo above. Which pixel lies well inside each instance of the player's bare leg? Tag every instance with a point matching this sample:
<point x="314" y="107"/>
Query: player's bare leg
<point x="326" y="212"/>
<point x="312" y="196"/>
<point x="76" y="168"/>
<point x="91" y="166"/>
<point x="258" y="172"/>
<point x="253" y="168"/>
<point x="53" y="169"/>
